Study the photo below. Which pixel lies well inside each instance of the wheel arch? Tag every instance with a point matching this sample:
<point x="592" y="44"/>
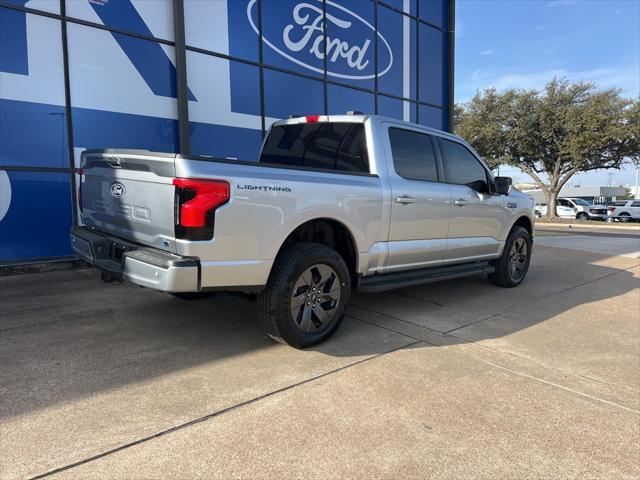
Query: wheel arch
<point x="330" y="232"/>
<point x="524" y="222"/>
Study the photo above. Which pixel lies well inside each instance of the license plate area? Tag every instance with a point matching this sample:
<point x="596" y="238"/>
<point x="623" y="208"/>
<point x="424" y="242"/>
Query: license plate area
<point x="105" y="253"/>
<point x="116" y="251"/>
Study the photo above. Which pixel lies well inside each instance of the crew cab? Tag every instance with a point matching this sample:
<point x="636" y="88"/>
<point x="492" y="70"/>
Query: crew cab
<point x="334" y="203"/>
<point x="582" y="209"/>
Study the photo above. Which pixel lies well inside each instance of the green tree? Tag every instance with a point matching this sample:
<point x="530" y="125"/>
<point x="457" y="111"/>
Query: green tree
<point x="554" y="133"/>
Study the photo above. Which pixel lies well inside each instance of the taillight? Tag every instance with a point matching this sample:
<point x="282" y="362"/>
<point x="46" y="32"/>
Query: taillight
<point x="81" y="175"/>
<point x="312" y="118"/>
<point x="196" y="203"/>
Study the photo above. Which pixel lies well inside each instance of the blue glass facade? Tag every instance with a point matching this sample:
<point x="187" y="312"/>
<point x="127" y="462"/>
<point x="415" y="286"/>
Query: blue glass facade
<point x="78" y="74"/>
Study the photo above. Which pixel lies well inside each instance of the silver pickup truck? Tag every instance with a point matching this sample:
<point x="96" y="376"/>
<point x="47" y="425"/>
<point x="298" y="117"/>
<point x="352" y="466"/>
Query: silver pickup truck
<point x="334" y="203"/>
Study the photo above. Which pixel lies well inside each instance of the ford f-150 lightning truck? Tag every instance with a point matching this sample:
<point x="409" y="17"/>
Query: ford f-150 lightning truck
<point x="334" y="203"/>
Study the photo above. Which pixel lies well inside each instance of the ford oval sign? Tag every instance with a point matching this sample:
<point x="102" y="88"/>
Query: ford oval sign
<point x="118" y="190"/>
<point x="302" y="40"/>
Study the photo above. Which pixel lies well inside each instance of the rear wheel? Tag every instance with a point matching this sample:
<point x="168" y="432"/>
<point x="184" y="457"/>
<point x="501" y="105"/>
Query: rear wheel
<point x="624" y="217"/>
<point x="513" y="265"/>
<point x="306" y="297"/>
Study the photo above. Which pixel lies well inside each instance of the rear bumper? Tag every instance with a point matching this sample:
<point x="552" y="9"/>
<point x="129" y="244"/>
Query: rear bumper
<point x="141" y="265"/>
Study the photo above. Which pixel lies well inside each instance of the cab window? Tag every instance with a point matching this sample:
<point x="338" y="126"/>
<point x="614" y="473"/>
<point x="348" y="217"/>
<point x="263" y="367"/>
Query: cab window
<point x="461" y="167"/>
<point x="413" y="155"/>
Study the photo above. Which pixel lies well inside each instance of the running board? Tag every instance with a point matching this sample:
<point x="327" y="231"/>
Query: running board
<point x="390" y="281"/>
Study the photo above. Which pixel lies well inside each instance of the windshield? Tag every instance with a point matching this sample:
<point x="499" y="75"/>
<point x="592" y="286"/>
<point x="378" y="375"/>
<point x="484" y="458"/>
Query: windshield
<point x="579" y="201"/>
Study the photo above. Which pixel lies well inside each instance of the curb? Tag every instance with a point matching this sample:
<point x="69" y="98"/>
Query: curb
<point x="11" y="270"/>
<point x="545" y="225"/>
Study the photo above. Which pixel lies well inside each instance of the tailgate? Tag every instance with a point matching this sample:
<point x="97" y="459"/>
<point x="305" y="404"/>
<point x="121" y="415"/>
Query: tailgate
<point x="130" y="194"/>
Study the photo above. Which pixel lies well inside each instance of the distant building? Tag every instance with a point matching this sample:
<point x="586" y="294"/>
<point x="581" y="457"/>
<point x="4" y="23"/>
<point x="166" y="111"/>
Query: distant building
<point x="596" y="195"/>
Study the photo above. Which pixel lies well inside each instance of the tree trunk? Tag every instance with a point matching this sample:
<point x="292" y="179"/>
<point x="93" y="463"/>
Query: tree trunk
<point x="555" y="185"/>
<point x="552" y="197"/>
<point x="551" y="204"/>
<point x="550" y="191"/>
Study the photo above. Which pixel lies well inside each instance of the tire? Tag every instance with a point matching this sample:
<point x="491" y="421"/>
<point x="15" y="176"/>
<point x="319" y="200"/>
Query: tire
<point x="582" y="216"/>
<point x="298" y="270"/>
<point x="191" y="295"/>
<point x="625" y="217"/>
<point x="504" y="275"/>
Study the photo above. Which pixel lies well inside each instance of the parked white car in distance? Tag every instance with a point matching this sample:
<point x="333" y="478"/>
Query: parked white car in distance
<point x="624" y="211"/>
<point x="574" y="208"/>
<point x="562" y="212"/>
<point x="584" y="210"/>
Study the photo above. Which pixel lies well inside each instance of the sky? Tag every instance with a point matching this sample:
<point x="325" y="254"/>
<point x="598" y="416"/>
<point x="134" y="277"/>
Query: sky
<point x="525" y="43"/>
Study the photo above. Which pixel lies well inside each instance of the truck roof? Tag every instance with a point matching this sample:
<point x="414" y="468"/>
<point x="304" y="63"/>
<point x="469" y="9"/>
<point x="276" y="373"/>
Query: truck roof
<point x="361" y="118"/>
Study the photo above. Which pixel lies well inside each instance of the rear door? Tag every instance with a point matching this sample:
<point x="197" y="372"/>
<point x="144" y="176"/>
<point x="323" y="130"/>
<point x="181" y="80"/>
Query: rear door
<point x="130" y="194"/>
<point x="476" y="215"/>
<point x="420" y="203"/>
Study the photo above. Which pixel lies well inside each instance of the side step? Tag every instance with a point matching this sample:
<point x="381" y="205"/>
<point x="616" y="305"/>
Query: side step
<point x="390" y="281"/>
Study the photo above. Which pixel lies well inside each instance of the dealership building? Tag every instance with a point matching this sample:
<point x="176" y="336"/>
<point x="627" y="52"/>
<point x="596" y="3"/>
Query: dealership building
<point x="193" y="77"/>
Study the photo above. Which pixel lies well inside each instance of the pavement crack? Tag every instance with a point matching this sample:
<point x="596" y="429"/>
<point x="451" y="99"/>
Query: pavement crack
<point x="391" y="330"/>
<point x="460" y="340"/>
<point x="398" y="319"/>
<point x="217" y="413"/>
<point x="556" y="385"/>
<point x="559" y="292"/>
<point x="414" y="297"/>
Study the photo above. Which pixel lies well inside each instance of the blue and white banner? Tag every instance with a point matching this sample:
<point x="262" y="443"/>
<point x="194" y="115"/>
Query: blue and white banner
<point x="123" y="87"/>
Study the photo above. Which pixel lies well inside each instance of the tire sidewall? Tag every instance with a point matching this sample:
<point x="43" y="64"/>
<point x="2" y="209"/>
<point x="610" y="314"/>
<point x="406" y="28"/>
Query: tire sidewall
<point x="289" y="330"/>
<point x="518" y="232"/>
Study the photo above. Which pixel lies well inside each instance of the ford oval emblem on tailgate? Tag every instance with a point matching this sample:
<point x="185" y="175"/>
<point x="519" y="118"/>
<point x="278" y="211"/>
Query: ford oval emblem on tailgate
<point x="118" y="190"/>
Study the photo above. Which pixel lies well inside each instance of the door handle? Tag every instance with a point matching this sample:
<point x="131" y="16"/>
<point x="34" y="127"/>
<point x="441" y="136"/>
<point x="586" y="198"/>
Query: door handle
<point x="405" y="199"/>
<point x="461" y="203"/>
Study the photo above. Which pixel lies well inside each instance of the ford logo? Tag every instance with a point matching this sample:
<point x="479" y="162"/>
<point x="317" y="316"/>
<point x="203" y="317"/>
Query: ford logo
<point x="303" y="35"/>
<point x="118" y="190"/>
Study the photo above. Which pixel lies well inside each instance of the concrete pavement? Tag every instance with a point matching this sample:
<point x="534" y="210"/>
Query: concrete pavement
<point x="453" y="380"/>
<point x="626" y="246"/>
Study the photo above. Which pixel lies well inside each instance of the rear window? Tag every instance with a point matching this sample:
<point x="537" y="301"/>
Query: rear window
<point x="331" y="146"/>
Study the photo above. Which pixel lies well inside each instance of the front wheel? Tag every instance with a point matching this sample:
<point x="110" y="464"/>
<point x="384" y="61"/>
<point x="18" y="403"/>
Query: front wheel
<point x="582" y="216"/>
<point x="306" y="296"/>
<point x="513" y="265"/>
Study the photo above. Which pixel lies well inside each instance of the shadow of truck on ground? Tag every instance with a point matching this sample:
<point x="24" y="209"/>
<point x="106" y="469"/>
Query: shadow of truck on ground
<point x="66" y="336"/>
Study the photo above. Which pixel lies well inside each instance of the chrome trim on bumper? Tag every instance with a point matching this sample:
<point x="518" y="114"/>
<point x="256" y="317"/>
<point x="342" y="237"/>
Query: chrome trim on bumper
<point x="148" y="267"/>
<point x="170" y="279"/>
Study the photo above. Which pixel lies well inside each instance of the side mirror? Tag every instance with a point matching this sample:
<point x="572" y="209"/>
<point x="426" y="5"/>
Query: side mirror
<point x="502" y="185"/>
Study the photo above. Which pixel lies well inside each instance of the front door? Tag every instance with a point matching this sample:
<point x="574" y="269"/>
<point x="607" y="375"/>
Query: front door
<point x="420" y="203"/>
<point x="476" y="215"/>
